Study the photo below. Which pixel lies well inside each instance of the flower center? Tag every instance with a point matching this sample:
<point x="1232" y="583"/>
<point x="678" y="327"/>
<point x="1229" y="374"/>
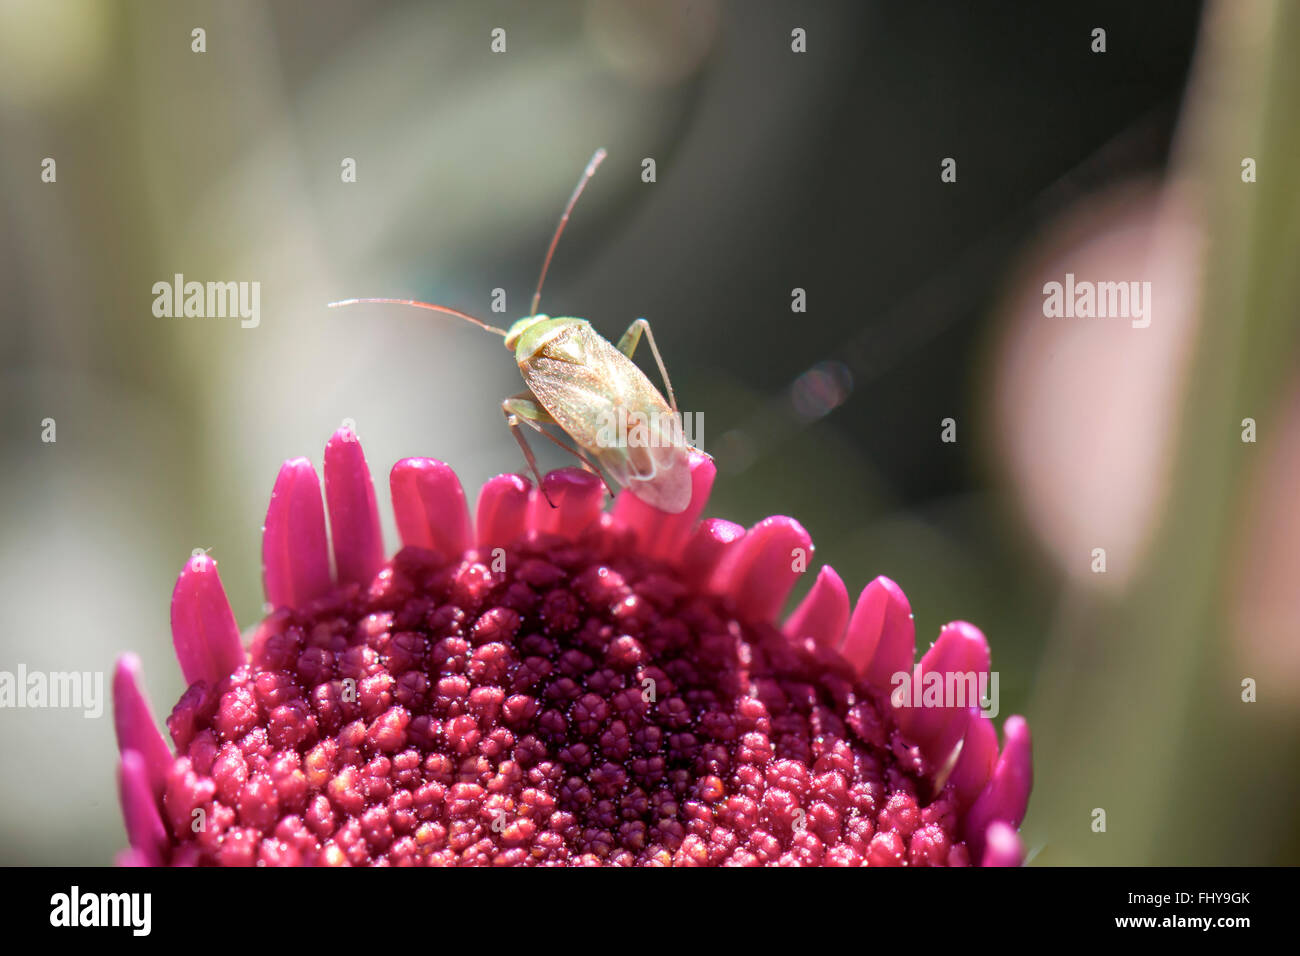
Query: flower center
<point x="558" y="703"/>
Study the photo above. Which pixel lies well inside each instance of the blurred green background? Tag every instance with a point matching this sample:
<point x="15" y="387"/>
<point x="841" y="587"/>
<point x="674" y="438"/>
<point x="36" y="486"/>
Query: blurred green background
<point x="775" y="170"/>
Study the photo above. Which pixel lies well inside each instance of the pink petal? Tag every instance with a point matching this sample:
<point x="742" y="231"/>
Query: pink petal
<point x="354" y="516"/>
<point x="1001" y="846"/>
<point x="578" y="497"/>
<point x="204" y="631"/>
<point x="144" y="826"/>
<point x="1007" y="793"/>
<point x="979" y="755"/>
<point x="295" y="558"/>
<point x="134" y="724"/>
<point x="824" y="613"/>
<point x="131" y="858"/>
<point x="503" y="509"/>
<point x="762" y="570"/>
<point x="710" y="543"/>
<point x="960" y="649"/>
<point x="881" y="638"/>
<point x="430" y="506"/>
<point x="661" y="535"/>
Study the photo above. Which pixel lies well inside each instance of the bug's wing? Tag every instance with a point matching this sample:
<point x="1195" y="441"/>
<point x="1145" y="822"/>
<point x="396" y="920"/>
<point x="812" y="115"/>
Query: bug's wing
<point x="670" y="490"/>
<point x="651" y="461"/>
<point x="608" y="407"/>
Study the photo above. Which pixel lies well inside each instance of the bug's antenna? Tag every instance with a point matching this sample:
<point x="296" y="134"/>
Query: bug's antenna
<point x="424" y="305"/>
<point x="597" y="158"/>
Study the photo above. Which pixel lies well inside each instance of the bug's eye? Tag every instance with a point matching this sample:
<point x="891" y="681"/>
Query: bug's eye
<point x="520" y="327"/>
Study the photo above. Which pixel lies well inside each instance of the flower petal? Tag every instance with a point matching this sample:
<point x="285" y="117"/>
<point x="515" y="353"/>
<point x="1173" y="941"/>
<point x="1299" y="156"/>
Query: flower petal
<point x="960" y="650"/>
<point x="661" y="535"/>
<point x="354" y="515"/>
<point x="429" y="504"/>
<point x="710" y="543"/>
<point x="1001" y="846"/>
<point x="144" y="826"/>
<point x="1007" y="793"/>
<point x="979" y="755"/>
<point x="134" y="724"/>
<point x="762" y="570"/>
<point x="578" y="497"/>
<point x="881" y="638"/>
<point x="824" y="613"/>
<point x="204" y="631"/>
<point x="503" y="509"/>
<point x="295" y="557"/>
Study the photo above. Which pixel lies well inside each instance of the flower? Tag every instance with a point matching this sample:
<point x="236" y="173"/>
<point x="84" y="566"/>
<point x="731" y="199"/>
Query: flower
<point x="553" y="685"/>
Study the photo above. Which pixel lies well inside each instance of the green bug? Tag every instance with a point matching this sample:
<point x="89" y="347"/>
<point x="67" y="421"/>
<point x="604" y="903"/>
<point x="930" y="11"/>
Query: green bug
<point x="590" y="389"/>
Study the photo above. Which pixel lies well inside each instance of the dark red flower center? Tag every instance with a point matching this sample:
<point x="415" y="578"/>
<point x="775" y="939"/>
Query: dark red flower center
<point x="560" y="703"/>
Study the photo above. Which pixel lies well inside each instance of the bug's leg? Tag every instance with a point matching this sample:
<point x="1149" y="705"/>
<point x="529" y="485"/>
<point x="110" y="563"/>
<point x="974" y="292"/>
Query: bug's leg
<point x="632" y="338"/>
<point x="517" y="409"/>
<point x="525" y="409"/>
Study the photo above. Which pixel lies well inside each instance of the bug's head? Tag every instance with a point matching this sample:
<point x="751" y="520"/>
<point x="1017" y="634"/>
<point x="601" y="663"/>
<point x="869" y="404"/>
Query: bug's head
<point x="520" y="327"/>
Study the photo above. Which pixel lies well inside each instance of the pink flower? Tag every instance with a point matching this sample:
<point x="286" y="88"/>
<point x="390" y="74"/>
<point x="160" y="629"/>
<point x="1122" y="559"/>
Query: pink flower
<point x="555" y="686"/>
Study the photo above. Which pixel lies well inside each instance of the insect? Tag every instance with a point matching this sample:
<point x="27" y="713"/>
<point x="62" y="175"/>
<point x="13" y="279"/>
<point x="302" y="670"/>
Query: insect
<point x="591" y="390"/>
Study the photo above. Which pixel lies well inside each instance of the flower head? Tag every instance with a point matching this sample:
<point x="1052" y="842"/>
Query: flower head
<point x="553" y="685"/>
